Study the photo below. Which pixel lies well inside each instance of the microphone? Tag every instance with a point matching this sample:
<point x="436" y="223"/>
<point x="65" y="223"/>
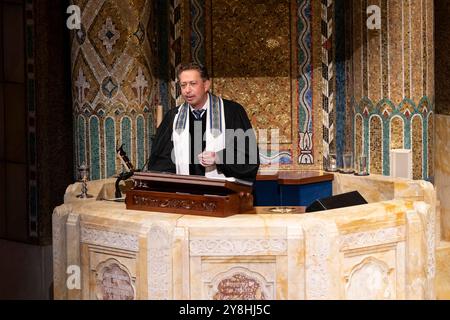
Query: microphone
<point x="126" y="174"/>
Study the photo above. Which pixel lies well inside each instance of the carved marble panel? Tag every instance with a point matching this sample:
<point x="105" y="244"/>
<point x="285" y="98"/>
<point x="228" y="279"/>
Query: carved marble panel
<point x="110" y="239"/>
<point x="372" y="238"/>
<point x="240" y="284"/>
<point x="159" y="263"/>
<point x="321" y="264"/>
<point x="214" y="247"/>
<point x="114" y="282"/>
<point x="370" y="280"/>
<point x="374" y="272"/>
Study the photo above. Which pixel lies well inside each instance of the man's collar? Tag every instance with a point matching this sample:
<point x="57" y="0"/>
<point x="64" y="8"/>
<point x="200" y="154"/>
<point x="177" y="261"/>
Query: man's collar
<point x="205" y="106"/>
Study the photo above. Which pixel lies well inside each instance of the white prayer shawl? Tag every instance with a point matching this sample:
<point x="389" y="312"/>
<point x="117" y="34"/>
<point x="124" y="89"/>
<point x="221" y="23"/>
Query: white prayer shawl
<point x="215" y="135"/>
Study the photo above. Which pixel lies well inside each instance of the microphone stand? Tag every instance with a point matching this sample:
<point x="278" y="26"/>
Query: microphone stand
<point x="124" y="175"/>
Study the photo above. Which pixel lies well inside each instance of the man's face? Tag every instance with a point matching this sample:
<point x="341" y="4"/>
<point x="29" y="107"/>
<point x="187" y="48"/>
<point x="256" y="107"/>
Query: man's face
<point x="193" y="88"/>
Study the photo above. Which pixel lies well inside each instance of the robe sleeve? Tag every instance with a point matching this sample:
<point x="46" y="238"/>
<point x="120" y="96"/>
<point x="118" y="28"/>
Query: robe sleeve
<point x="160" y="157"/>
<point x="238" y="159"/>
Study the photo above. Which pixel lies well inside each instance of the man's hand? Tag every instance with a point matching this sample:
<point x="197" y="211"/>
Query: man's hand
<point x="207" y="158"/>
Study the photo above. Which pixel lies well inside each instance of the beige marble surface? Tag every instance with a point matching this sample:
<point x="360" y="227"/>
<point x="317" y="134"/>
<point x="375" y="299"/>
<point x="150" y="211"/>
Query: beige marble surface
<point x="375" y="188"/>
<point x="442" y="171"/>
<point x="443" y="271"/>
<point x="383" y="250"/>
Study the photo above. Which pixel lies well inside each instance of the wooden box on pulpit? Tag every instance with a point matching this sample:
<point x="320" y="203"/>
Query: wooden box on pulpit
<point x="182" y="194"/>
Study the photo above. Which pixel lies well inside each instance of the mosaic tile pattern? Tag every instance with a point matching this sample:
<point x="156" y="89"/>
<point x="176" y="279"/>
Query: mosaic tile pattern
<point x="376" y="147"/>
<point x="81" y="135"/>
<point x="258" y="75"/>
<point x="94" y="148"/>
<point x="125" y="134"/>
<point x="393" y="62"/>
<point x="347" y="37"/>
<point x="113" y="83"/>
<point x="359" y="133"/>
<point x="429" y="138"/>
<point x="391" y="78"/>
<point x="397" y="135"/>
<point x="400" y="130"/>
<point x="140" y="145"/>
<point x="175" y="40"/>
<point x="281" y="51"/>
<point x="198" y="30"/>
<point x="417" y="146"/>
<point x="316" y="87"/>
<point x="307" y="118"/>
<point x="341" y="24"/>
<point x="384" y="49"/>
<point x="328" y="79"/>
<point x="110" y="146"/>
<point x="304" y="82"/>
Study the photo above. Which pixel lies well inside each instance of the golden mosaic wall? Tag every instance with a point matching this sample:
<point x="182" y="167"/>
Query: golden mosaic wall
<point x="396" y="61"/>
<point x="392" y="76"/>
<point x="433" y="145"/>
<point x="397" y="135"/>
<point x="417" y="146"/>
<point x="376" y="130"/>
<point x="358" y="134"/>
<point x="251" y="60"/>
<point x="266" y="55"/>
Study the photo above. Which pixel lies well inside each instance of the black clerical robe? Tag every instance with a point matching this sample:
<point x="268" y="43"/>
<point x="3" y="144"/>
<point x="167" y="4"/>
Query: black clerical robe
<point x="235" y="118"/>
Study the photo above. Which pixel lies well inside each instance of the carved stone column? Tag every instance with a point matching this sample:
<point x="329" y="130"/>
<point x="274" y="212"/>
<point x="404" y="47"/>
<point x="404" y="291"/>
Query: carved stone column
<point x="113" y="86"/>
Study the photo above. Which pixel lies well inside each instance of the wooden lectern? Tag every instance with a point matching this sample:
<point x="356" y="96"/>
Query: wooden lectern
<point x="197" y="195"/>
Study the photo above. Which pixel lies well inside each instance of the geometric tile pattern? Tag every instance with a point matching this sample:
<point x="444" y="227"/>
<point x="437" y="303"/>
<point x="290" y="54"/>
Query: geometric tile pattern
<point x="403" y="126"/>
<point x="175" y="42"/>
<point x="304" y="83"/>
<point x="112" y="79"/>
<point x="371" y="75"/>
<point x="391" y="85"/>
<point x="328" y="97"/>
<point x="197" y="30"/>
<point x="341" y="63"/>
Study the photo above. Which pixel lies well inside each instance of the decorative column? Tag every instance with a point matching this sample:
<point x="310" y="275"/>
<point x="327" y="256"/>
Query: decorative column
<point x="114" y="88"/>
<point x="392" y="84"/>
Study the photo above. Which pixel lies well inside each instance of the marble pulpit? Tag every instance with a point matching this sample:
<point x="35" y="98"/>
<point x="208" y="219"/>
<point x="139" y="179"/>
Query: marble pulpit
<point x="381" y="250"/>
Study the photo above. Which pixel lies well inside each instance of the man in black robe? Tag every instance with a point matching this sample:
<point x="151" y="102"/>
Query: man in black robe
<point x="206" y="135"/>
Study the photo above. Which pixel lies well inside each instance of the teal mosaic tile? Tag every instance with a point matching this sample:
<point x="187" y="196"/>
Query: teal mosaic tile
<point x="94" y="136"/>
<point x="110" y="144"/>
<point x="81" y="140"/>
<point x="126" y="136"/>
<point x="140" y="142"/>
<point x="406" y="110"/>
